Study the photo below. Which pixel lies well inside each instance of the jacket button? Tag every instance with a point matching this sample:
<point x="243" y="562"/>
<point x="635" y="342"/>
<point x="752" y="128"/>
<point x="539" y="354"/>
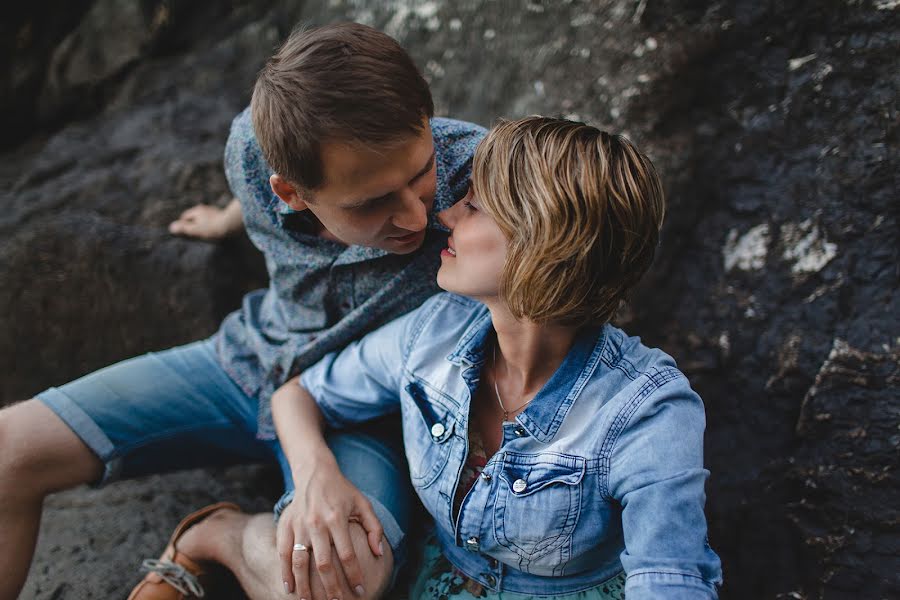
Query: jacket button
<point x="472" y="544"/>
<point x="485" y="475"/>
<point x="492" y="581"/>
<point x="519" y="485"/>
<point x="437" y="430"/>
<point x="520" y="431"/>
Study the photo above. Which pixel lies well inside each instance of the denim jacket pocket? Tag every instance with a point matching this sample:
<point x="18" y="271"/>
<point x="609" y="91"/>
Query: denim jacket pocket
<point x="538" y="503"/>
<point x="428" y="425"/>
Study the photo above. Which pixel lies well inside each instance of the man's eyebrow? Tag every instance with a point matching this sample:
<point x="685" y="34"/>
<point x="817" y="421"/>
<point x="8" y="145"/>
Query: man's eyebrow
<point x="428" y="166"/>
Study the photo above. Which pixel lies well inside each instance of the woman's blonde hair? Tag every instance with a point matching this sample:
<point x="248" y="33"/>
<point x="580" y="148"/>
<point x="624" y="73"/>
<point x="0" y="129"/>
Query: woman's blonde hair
<point x="581" y="209"/>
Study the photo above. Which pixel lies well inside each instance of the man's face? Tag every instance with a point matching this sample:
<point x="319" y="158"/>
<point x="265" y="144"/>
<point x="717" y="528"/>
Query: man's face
<point x="376" y="197"/>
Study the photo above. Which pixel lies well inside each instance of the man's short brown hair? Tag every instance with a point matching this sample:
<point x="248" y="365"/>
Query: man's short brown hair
<point x="338" y="83"/>
<point x="581" y="209"/>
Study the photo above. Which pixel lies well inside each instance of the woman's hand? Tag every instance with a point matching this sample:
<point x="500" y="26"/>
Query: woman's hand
<point x="319" y="517"/>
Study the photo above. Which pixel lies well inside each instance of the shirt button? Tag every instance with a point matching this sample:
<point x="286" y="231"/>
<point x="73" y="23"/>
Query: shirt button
<point x="472" y="544"/>
<point x="485" y="475"/>
<point x="519" y="485"/>
<point x="437" y="430"/>
<point x="520" y="431"/>
<point x="492" y="581"/>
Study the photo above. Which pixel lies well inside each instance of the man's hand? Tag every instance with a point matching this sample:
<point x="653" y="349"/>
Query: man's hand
<point x="209" y="223"/>
<point x="319" y="517"/>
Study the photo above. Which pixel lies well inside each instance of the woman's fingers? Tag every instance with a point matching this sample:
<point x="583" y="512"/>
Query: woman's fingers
<point x="374" y="530"/>
<point x="324" y="562"/>
<point x="284" y="541"/>
<point x="300" y="564"/>
<point x="343" y="547"/>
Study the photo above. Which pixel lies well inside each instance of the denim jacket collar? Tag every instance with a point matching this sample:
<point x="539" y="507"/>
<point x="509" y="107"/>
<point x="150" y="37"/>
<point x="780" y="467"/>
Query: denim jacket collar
<point x="543" y="417"/>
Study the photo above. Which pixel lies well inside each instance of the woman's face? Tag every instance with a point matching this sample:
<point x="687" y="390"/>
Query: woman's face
<point x="476" y="252"/>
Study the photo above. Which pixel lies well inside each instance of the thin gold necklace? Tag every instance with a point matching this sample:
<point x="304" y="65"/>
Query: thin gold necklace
<point x="497" y="390"/>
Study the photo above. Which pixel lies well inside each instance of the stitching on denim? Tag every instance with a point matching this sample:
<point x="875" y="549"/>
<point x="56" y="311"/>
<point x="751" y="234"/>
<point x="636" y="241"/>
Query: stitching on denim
<point x="471" y="332"/>
<point x="552" y="543"/>
<point x="445" y="400"/>
<point x="419" y="326"/>
<point x="615" y="359"/>
<point x="655" y="380"/>
<point x="673" y="572"/>
<point x="586" y="373"/>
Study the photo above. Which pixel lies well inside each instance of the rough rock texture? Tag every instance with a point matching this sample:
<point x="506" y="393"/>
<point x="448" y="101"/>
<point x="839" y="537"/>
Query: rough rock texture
<point x="775" y="286"/>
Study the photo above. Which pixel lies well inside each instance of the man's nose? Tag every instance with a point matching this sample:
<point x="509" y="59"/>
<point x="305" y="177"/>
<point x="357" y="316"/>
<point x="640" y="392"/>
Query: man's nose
<point x="414" y="213"/>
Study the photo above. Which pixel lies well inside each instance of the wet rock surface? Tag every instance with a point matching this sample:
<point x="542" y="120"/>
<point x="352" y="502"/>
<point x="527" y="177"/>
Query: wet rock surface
<point x="775" y="285"/>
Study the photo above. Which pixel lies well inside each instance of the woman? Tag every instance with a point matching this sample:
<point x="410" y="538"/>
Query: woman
<point x="556" y="456"/>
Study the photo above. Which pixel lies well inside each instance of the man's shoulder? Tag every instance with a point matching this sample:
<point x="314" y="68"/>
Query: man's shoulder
<point x="454" y="144"/>
<point x="243" y="123"/>
<point x="456" y="139"/>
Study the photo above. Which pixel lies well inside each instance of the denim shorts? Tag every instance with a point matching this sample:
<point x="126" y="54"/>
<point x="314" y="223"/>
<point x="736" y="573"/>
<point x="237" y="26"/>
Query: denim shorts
<point x="178" y="409"/>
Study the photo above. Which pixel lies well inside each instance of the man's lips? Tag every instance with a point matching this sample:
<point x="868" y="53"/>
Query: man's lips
<point x="406" y="238"/>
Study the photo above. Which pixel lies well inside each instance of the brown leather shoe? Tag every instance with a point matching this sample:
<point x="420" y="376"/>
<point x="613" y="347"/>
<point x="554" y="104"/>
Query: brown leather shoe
<point x="175" y="576"/>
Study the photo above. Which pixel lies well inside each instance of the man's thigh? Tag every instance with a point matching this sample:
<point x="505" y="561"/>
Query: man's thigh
<point x="162" y="411"/>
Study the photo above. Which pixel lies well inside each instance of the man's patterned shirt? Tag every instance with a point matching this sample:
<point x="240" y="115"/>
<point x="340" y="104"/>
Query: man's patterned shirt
<point x="322" y="294"/>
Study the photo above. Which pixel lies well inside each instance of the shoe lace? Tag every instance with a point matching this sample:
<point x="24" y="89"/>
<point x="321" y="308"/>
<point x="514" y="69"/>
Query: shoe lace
<point x="175" y="575"/>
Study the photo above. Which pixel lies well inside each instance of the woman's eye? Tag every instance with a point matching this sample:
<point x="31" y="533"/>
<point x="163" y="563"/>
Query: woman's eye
<point x="469" y="205"/>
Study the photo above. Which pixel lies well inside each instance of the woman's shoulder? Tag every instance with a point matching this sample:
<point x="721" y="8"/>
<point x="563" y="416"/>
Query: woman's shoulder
<point x="633" y="357"/>
<point x="642" y="379"/>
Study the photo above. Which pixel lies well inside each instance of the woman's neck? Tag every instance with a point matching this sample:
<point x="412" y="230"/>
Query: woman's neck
<point x="528" y="353"/>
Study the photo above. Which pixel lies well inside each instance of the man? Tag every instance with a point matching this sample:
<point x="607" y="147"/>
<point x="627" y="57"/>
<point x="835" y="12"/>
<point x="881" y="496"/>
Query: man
<point x="339" y="168"/>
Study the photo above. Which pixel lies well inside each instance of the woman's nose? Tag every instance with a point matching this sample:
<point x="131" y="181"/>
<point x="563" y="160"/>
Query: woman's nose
<point x="447" y="217"/>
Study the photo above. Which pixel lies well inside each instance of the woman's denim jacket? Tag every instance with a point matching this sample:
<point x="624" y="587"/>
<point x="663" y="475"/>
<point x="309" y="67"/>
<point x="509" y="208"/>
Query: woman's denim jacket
<point x="602" y="471"/>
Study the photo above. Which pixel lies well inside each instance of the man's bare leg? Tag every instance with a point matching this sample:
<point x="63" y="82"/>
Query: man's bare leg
<point x="245" y="544"/>
<point x="39" y="455"/>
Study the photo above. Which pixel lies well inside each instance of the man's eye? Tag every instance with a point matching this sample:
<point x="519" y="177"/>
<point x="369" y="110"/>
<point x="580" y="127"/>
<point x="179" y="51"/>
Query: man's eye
<point x="372" y="204"/>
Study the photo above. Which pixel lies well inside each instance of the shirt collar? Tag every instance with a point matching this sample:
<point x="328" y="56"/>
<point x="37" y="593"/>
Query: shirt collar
<point x="544" y="415"/>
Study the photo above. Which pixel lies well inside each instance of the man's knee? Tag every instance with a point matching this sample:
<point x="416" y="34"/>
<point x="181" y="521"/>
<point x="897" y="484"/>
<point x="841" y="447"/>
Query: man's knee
<point x="40" y="454"/>
<point x="376" y="569"/>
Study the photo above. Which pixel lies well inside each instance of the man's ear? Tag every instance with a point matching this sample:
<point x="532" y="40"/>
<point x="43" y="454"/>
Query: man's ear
<point x="288" y="193"/>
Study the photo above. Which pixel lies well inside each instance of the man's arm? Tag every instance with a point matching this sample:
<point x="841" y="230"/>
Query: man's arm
<point x="209" y="223"/>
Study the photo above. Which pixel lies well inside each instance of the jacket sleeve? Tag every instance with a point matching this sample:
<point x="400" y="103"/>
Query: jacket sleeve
<point x="362" y="381"/>
<point x="656" y="474"/>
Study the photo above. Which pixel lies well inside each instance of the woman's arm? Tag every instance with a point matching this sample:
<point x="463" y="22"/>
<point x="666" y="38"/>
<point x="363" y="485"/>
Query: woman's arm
<point x="656" y="473"/>
<point x="324" y="503"/>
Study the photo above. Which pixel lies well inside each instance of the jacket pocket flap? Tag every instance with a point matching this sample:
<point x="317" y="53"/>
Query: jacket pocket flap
<point x="525" y="478"/>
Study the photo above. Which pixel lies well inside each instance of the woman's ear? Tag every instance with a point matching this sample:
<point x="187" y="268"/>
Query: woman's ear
<point x="288" y="193"/>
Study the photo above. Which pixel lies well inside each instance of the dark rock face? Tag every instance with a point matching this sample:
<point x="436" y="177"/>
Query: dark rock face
<point x="775" y="285"/>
